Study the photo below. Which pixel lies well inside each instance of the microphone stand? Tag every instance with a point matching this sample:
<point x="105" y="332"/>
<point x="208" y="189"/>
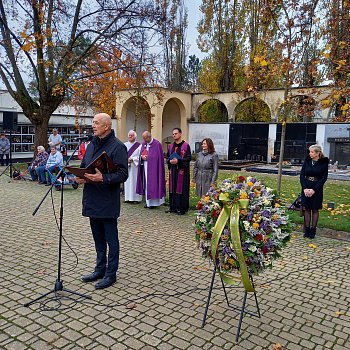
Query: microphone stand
<point x="58" y="287"/>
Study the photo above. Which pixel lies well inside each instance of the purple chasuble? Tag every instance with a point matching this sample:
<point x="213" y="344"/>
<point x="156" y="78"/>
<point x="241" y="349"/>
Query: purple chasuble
<point x="156" y="188"/>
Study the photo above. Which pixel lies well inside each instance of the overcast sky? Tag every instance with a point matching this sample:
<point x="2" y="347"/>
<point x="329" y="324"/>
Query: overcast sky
<point x="194" y="15"/>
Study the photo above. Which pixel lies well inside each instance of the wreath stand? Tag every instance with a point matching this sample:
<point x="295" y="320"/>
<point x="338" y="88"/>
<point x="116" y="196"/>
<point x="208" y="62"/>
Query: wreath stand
<point x="242" y="309"/>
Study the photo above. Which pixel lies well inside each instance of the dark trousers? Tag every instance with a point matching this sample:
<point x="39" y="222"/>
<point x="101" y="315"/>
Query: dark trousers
<point x="105" y="233"/>
<point x="7" y="156"/>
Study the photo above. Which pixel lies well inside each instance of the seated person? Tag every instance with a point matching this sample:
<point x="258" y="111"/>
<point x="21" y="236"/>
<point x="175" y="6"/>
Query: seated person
<point x="40" y="159"/>
<point x="54" y="161"/>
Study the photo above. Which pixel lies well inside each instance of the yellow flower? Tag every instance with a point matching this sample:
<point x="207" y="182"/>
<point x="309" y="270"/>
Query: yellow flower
<point x="255" y="225"/>
<point x="250" y="184"/>
<point x="277" y="205"/>
<point x="312" y="246"/>
<point x="206" y="199"/>
<point x="257" y="193"/>
<point x="243" y="195"/>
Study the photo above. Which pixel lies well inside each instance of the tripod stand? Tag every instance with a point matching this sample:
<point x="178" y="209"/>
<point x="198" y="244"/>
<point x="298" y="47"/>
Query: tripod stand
<point x="9" y="160"/>
<point x="242" y="309"/>
<point x="58" y="287"/>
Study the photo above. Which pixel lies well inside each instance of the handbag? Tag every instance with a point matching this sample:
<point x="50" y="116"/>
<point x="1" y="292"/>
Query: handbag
<point x="297" y="206"/>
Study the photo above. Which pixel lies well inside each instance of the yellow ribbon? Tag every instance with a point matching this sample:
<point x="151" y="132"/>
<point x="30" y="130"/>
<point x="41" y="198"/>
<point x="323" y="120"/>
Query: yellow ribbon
<point x="231" y="211"/>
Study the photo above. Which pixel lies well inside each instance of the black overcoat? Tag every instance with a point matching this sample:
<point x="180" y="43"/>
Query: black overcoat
<point x="313" y="176"/>
<point x="102" y="200"/>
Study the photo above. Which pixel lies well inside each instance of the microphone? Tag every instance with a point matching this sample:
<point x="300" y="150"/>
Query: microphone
<point x="83" y="138"/>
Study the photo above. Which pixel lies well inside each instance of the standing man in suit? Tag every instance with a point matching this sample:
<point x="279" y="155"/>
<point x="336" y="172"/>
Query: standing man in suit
<point x="101" y="200"/>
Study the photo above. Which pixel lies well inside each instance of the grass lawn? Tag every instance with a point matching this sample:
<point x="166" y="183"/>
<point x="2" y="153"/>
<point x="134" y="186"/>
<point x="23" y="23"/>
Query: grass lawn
<point x="334" y="191"/>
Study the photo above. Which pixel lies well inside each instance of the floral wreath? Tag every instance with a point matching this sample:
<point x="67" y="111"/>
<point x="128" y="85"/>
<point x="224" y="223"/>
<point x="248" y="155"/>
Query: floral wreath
<point x="242" y="226"/>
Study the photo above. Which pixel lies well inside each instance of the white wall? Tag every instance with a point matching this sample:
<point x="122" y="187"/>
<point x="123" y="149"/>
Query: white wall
<point x="219" y="133"/>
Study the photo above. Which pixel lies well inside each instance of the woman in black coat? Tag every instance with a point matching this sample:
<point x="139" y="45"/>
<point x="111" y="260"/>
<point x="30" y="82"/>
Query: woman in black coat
<point x="313" y="176"/>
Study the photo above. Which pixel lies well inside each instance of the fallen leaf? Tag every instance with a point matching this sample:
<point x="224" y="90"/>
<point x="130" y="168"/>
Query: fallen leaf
<point x="305" y="257"/>
<point x="47" y="242"/>
<point x="277" y="346"/>
<point x="313" y="246"/>
<point x="138" y="232"/>
<point x="338" y="313"/>
<point x="131" y="306"/>
<point x="348" y="248"/>
<point x="203" y="268"/>
<point x="41" y="272"/>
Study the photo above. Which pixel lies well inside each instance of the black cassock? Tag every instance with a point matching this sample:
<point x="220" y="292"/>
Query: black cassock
<point x="179" y="197"/>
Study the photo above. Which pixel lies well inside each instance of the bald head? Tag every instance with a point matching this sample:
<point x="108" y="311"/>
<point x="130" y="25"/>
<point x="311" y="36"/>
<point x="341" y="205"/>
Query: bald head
<point x="147" y="136"/>
<point x="102" y="125"/>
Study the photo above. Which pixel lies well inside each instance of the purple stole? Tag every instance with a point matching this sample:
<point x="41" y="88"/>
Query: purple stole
<point x="180" y="174"/>
<point x="133" y="148"/>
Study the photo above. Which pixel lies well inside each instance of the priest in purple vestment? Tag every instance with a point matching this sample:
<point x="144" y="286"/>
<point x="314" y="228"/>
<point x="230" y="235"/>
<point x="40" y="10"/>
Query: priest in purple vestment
<point x="151" y="172"/>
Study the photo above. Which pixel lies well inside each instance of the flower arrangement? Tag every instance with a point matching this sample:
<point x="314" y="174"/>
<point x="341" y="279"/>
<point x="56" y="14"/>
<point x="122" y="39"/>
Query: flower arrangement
<point x="264" y="228"/>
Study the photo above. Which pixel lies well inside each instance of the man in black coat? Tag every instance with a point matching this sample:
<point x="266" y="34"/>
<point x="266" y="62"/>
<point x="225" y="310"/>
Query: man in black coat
<point x="101" y="199"/>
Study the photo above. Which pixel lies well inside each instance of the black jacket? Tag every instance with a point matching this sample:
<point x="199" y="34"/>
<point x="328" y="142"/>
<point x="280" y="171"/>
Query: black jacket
<point x="318" y="173"/>
<point x="102" y="200"/>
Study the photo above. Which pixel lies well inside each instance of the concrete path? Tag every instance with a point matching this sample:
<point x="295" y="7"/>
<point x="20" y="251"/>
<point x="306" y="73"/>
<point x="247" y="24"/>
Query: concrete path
<point x="159" y="298"/>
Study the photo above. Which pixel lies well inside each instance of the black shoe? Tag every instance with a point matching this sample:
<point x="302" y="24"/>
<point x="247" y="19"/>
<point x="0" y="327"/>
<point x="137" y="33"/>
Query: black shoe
<point x="312" y="232"/>
<point x="105" y="282"/>
<point x="307" y="232"/>
<point x="92" y="277"/>
<point x="170" y="211"/>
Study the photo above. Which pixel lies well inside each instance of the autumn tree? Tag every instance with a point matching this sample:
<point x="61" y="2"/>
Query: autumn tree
<point x="221" y="36"/>
<point x="48" y="43"/>
<point x="336" y="57"/>
<point x="172" y="29"/>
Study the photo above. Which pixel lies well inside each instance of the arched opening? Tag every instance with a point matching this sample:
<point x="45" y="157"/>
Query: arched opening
<point x="171" y="118"/>
<point x="302" y="108"/>
<point x="252" y="110"/>
<point x="137" y="115"/>
<point x="339" y="112"/>
<point x="212" y="111"/>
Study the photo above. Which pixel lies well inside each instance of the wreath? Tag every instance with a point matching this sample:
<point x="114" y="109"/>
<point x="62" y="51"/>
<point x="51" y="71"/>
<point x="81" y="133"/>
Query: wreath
<point x="241" y="225"/>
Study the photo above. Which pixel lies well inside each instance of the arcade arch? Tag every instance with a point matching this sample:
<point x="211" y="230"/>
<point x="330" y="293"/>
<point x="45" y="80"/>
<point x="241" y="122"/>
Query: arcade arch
<point x="137" y="115"/>
<point x="302" y="108"/>
<point x="172" y="112"/>
<point x="212" y="110"/>
<point x="252" y="109"/>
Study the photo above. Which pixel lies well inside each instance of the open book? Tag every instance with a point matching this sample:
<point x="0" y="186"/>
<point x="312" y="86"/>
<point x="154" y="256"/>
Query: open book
<point x="103" y="163"/>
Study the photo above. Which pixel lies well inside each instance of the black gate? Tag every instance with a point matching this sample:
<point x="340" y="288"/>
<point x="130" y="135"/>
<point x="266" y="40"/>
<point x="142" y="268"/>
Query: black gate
<point x="299" y="137"/>
<point x="248" y="141"/>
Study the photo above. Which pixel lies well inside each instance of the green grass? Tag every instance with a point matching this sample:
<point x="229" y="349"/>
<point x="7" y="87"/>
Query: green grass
<point x="334" y="191"/>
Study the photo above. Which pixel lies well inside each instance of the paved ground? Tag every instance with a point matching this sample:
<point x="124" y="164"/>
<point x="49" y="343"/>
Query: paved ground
<point x="159" y="298"/>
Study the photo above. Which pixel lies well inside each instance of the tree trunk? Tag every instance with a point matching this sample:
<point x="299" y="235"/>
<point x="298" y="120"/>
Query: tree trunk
<point x="281" y="155"/>
<point x="283" y="135"/>
<point x="41" y="131"/>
